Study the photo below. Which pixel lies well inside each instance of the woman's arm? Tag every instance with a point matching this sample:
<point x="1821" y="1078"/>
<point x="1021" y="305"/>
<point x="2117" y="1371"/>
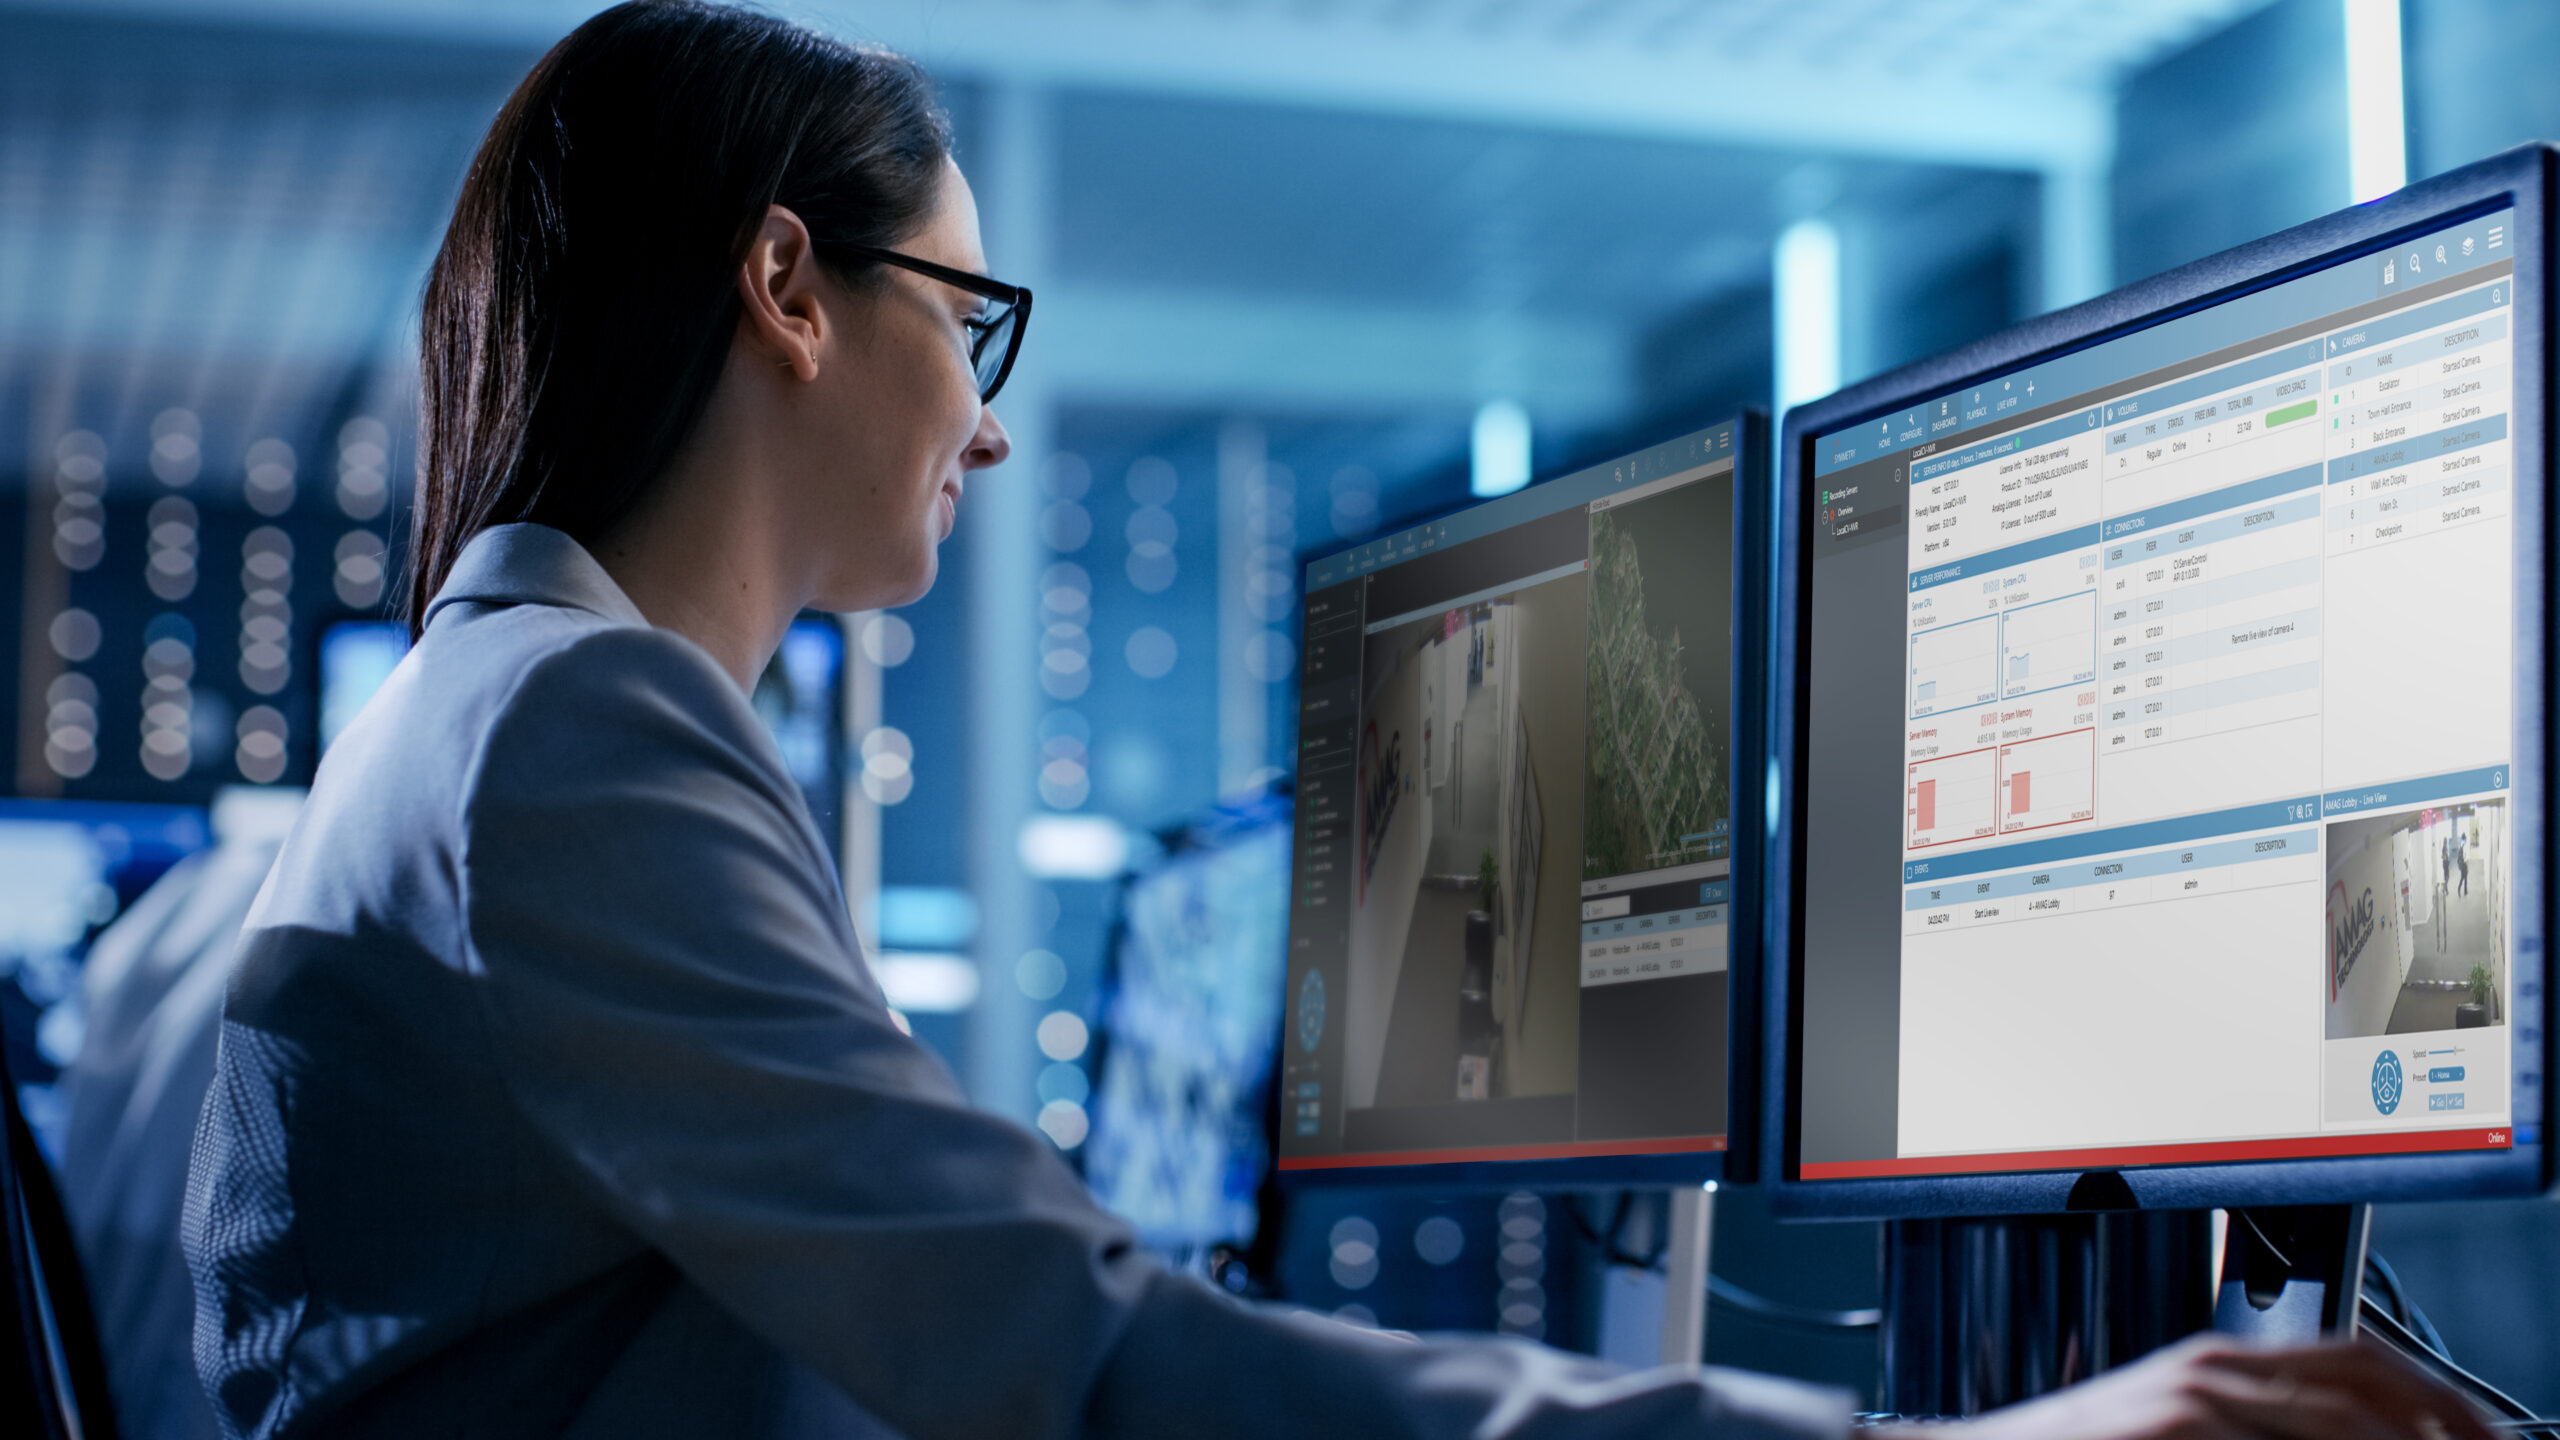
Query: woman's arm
<point x="678" y="1004"/>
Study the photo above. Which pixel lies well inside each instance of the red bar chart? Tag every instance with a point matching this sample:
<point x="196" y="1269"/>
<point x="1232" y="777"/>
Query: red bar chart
<point x="2051" y="780"/>
<point x="1953" y="798"/>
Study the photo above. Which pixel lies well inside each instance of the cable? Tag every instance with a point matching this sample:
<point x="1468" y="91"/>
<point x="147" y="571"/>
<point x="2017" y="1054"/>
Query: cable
<point x="1607" y="1243"/>
<point x="2283" y="1261"/>
<point x="2414" y="1336"/>
<point x="1719" y="1289"/>
<point x="2380" y="1324"/>
<point x="1784" y="1313"/>
<point x="2403" y="1309"/>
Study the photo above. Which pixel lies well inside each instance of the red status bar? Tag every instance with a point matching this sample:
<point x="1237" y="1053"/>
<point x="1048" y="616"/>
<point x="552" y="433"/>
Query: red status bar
<point x="1686" y="1145"/>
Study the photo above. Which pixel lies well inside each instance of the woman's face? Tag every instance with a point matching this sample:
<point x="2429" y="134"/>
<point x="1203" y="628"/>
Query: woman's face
<point x="898" y="419"/>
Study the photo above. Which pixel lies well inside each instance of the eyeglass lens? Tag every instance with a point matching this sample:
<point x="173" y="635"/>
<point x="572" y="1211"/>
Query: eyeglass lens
<point x="994" y="343"/>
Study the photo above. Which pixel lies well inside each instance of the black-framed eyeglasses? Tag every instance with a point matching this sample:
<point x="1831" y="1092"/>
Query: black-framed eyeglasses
<point x="995" y="333"/>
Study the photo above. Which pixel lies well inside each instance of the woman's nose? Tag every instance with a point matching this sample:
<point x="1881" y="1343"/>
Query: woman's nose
<point x="990" y="445"/>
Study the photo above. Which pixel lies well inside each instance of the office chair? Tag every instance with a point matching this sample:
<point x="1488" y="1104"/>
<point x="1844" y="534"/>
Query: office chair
<point x="53" y="1377"/>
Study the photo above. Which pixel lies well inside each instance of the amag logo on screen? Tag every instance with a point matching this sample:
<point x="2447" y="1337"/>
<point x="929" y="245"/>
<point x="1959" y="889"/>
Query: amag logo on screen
<point x="2350" y="926"/>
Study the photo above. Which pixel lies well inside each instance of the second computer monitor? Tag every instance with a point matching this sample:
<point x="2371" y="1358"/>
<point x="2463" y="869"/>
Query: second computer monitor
<point x="2165" y="735"/>
<point x="1521" y="898"/>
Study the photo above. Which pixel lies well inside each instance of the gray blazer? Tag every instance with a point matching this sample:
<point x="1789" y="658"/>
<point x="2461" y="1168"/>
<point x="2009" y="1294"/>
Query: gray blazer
<point x="555" y="1098"/>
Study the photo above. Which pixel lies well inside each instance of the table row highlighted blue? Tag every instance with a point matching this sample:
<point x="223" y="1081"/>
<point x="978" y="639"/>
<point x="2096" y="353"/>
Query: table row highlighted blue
<point x="2115" y="870"/>
<point x="2149" y="834"/>
<point x="2180" y="829"/>
<point x="2422" y="790"/>
<point x="2257" y="492"/>
<point x="1635" y="926"/>
<point x="1993" y="562"/>
<point x="2435" y="444"/>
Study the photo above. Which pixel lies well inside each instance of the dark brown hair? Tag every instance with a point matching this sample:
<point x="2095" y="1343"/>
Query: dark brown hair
<point x="583" y="303"/>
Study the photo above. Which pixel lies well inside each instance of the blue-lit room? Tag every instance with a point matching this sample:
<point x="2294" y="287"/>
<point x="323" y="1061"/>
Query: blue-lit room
<point x="1138" y="718"/>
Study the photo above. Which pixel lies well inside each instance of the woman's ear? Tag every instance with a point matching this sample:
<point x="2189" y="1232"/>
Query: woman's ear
<point x="778" y="290"/>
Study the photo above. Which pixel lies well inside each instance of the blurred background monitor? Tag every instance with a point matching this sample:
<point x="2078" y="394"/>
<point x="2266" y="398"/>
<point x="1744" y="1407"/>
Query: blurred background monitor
<point x="800" y="698"/>
<point x="67" y="869"/>
<point x="356" y="656"/>
<point x="2164" y="714"/>
<point x="1188" y="1020"/>
<point x="1522" y="910"/>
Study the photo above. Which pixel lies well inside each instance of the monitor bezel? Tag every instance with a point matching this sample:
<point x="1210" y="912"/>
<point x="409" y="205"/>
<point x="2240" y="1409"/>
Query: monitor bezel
<point x="2523" y="177"/>
<point x="1738" y="1162"/>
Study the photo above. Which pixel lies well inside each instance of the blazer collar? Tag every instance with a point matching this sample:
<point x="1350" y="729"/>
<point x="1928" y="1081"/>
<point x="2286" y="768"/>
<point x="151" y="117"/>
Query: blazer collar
<point x="528" y="564"/>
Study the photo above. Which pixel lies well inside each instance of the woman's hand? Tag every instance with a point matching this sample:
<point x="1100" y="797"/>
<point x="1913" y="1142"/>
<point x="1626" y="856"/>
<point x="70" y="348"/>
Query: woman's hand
<point x="2214" y="1388"/>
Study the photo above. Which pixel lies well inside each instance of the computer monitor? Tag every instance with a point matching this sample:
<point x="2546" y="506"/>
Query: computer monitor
<point x="356" y="656"/>
<point x="2162" y="727"/>
<point x="1187" y="1025"/>
<point x="1523" y="891"/>
<point x="800" y="698"/>
<point x="67" y="869"/>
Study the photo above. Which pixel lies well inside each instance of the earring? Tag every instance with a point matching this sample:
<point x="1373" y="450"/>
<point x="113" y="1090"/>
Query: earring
<point x="813" y="362"/>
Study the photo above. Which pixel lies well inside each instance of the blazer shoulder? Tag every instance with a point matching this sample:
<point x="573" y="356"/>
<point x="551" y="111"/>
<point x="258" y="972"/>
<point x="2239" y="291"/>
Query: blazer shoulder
<point x="614" y="704"/>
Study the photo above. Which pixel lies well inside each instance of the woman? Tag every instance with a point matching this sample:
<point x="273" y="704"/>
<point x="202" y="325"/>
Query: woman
<point x="554" y="1096"/>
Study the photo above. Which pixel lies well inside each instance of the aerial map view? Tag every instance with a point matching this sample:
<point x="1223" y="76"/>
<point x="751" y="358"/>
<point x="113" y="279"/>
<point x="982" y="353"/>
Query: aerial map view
<point x="1657" y="793"/>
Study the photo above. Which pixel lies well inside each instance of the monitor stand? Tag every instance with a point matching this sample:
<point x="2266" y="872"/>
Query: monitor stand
<point x="2292" y="1274"/>
<point x="1984" y="1313"/>
<point x="1684" y="1279"/>
<point x="1649" y="1319"/>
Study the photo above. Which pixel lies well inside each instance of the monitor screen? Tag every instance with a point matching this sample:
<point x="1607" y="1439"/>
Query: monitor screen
<point x="800" y="697"/>
<point x="801" y="700"/>
<point x="1188" y="1018"/>
<point x="2155" y="743"/>
<point x="1513" y="874"/>
<point x="67" y="869"/>
<point x="356" y="656"/>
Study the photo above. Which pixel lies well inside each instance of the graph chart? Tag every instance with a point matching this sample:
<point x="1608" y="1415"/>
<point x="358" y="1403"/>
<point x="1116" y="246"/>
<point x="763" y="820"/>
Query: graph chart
<point x="2051" y="780"/>
<point x="1953" y="666"/>
<point x="2049" y="644"/>
<point x="1951" y="798"/>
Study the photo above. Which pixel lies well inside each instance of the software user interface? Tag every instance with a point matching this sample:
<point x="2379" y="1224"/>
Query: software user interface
<point x="1513" y="853"/>
<point x="2157" y="806"/>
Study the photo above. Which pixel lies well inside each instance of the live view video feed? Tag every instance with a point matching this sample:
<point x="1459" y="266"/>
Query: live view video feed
<point x="1531" y="942"/>
<point x="1472" y="740"/>
<point x="2416" y="921"/>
